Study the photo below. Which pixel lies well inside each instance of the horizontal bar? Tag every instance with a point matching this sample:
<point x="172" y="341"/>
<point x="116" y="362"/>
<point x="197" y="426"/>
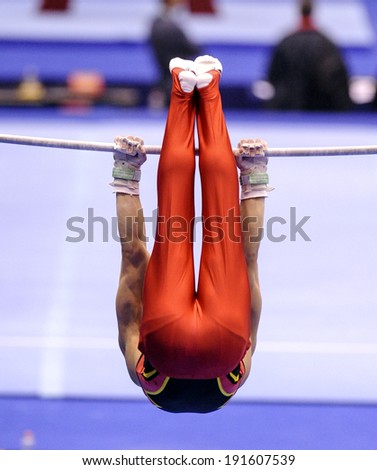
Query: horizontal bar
<point x="56" y="143"/>
<point x="155" y="150"/>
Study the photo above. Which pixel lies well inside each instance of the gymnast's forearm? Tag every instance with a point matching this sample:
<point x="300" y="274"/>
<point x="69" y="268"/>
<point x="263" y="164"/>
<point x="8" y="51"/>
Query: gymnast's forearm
<point x="133" y="244"/>
<point x="131" y="226"/>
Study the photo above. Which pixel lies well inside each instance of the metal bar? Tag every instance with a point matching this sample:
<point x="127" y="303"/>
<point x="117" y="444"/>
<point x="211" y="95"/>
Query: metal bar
<point x="155" y="149"/>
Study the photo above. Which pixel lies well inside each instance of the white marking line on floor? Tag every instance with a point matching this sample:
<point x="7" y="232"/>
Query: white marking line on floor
<point x="58" y="342"/>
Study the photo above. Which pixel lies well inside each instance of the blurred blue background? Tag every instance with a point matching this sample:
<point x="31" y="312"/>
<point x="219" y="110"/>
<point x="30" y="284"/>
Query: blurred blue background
<point x="112" y="40"/>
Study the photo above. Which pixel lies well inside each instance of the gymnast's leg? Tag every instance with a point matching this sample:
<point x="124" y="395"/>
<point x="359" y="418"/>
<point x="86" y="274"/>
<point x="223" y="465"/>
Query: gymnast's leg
<point x="169" y="288"/>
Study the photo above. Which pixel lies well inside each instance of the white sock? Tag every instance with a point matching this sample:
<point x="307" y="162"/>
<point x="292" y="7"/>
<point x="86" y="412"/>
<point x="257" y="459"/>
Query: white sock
<point x="206" y="63"/>
<point x="184" y="64"/>
<point x="203" y="80"/>
<point x="187" y="80"/>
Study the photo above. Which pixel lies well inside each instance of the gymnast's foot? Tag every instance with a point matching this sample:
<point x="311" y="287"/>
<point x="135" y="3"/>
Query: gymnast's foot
<point x="204" y="68"/>
<point x="186" y="76"/>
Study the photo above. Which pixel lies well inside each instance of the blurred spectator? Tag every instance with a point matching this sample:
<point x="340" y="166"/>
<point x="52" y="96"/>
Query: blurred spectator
<point x="308" y="71"/>
<point x="168" y="40"/>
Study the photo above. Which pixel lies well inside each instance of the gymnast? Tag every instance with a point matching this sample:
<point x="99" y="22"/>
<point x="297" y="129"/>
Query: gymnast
<point x="190" y="350"/>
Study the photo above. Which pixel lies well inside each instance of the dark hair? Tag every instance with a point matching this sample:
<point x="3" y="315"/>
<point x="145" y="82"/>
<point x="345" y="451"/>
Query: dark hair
<point x="306" y="7"/>
<point x="190" y="396"/>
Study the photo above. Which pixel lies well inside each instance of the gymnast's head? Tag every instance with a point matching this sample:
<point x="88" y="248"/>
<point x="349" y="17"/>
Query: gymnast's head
<point x="187" y="395"/>
<point x="190" y="396"/>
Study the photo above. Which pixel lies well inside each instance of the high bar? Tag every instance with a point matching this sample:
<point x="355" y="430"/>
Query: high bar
<point x="156" y="150"/>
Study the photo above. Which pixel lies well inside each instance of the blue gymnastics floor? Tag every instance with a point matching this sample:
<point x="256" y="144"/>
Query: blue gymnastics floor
<point x="110" y="425"/>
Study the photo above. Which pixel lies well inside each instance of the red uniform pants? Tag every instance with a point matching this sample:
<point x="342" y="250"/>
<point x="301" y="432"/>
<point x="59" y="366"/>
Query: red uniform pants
<point x="205" y="333"/>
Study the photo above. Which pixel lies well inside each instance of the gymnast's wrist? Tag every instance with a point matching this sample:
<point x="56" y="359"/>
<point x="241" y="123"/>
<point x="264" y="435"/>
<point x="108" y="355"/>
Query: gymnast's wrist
<point x="253" y="184"/>
<point x="126" y="178"/>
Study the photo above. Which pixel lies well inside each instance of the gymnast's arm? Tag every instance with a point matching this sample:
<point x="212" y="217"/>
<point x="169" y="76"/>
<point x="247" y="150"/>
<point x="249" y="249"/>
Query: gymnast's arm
<point x="134" y="262"/>
<point x="129" y="156"/>
<point x="252" y="162"/>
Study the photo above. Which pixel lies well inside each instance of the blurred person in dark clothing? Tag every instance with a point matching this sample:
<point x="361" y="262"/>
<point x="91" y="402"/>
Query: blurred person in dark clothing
<point x="307" y="70"/>
<point x="168" y="40"/>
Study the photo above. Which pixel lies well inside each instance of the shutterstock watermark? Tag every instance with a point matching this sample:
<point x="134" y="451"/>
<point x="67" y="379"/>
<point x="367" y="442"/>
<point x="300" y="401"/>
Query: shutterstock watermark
<point x="176" y="229"/>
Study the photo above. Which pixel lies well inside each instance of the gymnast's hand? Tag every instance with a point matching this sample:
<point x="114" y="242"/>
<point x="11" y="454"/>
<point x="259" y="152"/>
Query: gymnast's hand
<point x="251" y="153"/>
<point x="131" y="150"/>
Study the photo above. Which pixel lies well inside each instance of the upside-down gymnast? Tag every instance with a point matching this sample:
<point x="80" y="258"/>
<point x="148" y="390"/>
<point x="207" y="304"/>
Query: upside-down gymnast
<point x="190" y="349"/>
